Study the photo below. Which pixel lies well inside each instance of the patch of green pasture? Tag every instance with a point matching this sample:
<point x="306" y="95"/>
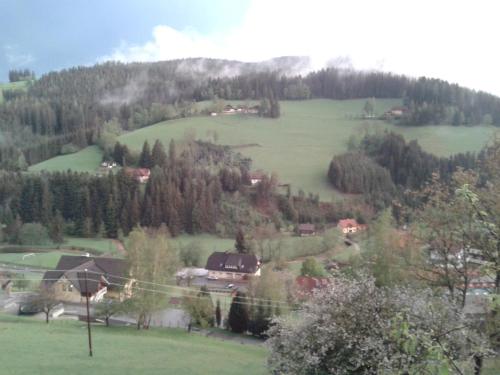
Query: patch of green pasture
<point x="20" y="85"/>
<point x="99" y="245"/>
<point x="41" y="260"/>
<point x="85" y="160"/>
<point x="61" y="348"/>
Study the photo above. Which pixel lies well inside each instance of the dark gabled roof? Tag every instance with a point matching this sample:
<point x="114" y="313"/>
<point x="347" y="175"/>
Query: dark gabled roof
<point x="100" y="269"/>
<point x="114" y="269"/>
<point x="66" y="262"/>
<point x="232" y="262"/>
<point x="92" y="283"/>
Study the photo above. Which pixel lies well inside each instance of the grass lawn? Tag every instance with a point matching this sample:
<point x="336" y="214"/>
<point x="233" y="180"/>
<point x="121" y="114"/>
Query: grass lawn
<point x="98" y="245"/>
<point x="42" y="260"/>
<point x="86" y="160"/>
<point x="291" y="246"/>
<point x="12" y="85"/>
<point x="207" y="242"/>
<point x="50" y="255"/>
<point x="298" y="146"/>
<point x="61" y="348"/>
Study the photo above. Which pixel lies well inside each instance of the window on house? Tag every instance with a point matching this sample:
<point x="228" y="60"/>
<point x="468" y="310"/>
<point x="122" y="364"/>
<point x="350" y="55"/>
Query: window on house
<point x="70" y="288"/>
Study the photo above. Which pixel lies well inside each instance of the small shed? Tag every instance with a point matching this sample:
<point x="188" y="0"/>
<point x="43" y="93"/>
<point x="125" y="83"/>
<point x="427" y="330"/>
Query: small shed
<point x="307" y="229"/>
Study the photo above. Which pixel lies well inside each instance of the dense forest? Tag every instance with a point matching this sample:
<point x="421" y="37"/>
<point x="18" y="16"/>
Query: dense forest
<point x="184" y="192"/>
<point x="383" y="166"/>
<point x="70" y="107"/>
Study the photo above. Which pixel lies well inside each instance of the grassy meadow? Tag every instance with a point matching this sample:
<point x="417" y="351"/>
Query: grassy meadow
<point x="298" y="146"/>
<point x="49" y="254"/>
<point x="61" y="348"/>
<point x="39" y="260"/>
<point x="86" y="160"/>
<point x="22" y="85"/>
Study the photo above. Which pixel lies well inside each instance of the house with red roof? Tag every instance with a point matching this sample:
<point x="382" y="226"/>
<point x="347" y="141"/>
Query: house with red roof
<point x="350" y="226"/>
<point x="140" y="174"/>
<point x="306" y="229"/>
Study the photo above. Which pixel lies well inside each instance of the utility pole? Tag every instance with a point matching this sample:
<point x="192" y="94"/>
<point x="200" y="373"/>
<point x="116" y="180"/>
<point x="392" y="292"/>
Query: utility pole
<point x="88" y="315"/>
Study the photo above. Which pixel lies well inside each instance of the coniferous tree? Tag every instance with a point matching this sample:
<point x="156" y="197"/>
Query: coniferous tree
<point x="110" y="222"/>
<point x="56" y="231"/>
<point x="218" y="315"/>
<point x="145" y="159"/>
<point x="240" y="244"/>
<point x="158" y="155"/>
<point x="238" y="314"/>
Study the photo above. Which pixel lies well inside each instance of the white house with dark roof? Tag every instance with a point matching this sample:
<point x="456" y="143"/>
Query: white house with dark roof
<point x="232" y="266"/>
<point x="105" y="276"/>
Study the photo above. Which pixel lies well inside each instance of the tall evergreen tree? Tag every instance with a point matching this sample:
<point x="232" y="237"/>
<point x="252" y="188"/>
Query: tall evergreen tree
<point x="240" y="244"/>
<point x="145" y="159"/>
<point x="158" y="155"/>
<point x="56" y="231"/>
<point x="238" y="314"/>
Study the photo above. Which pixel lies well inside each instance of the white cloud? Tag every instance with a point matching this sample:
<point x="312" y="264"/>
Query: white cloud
<point x="448" y="39"/>
<point x="15" y="57"/>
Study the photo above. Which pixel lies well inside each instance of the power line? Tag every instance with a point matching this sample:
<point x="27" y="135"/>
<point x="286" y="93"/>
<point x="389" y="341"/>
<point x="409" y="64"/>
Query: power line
<point x="187" y="289"/>
<point x="250" y="301"/>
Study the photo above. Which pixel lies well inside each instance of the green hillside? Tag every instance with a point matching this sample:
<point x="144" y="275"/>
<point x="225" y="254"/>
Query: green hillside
<point x="299" y="145"/>
<point x="61" y="348"/>
<point x="86" y="160"/>
<point x="12" y="85"/>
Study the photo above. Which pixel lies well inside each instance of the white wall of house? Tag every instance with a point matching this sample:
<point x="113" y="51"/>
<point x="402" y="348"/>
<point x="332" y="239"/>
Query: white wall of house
<point x="228" y="275"/>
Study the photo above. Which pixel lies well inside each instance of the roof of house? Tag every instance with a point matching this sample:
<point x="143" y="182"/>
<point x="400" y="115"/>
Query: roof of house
<point x="138" y="172"/>
<point x="232" y="262"/>
<point x="103" y="270"/>
<point x="348" y="223"/>
<point x="257" y="175"/>
<point x="307" y="227"/>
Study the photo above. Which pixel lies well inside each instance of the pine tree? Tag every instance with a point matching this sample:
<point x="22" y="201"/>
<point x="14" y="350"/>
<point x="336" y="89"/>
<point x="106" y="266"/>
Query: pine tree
<point x="218" y="316"/>
<point x="46" y="204"/>
<point x="158" y="155"/>
<point x="110" y="222"/>
<point x="145" y="159"/>
<point x="172" y="154"/>
<point x="240" y="244"/>
<point x="56" y="231"/>
<point x="238" y="314"/>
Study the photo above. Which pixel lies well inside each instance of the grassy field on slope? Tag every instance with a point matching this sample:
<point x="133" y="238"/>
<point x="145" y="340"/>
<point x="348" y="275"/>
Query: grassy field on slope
<point x="86" y="160"/>
<point x="32" y="347"/>
<point x="12" y="85"/>
<point x="299" y="145"/>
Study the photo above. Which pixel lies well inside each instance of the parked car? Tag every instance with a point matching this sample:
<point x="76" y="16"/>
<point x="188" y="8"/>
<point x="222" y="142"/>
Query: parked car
<point x="29" y="308"/>
<point x="212" y="278"/>
<point x="230" y="286"/>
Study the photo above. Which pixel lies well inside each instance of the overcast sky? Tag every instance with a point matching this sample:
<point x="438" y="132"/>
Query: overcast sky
<point x="453" y="40"/>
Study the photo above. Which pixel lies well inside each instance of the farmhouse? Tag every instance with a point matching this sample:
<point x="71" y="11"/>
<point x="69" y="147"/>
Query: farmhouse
<point x="232" y="266"/>
<point x="104" y="276"/>
<point x="140" y="174"/>
<point x="350" y="226"/>
<point x="108" y="165"/>
<point x="256" y="177"/>
<point x="305" y="230"/>
<point x="395" y="112"/>
<point x="229" y="110"/>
